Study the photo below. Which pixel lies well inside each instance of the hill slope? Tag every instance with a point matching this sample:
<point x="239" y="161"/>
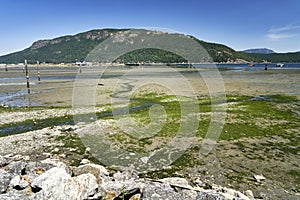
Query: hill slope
<point x="67" y="49"/>
<point x="259" y="50"/>
<point x="72" y="48"/>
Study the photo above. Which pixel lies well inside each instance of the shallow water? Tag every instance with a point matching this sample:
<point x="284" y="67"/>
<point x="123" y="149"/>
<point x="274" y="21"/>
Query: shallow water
<point x="18" y="99"/>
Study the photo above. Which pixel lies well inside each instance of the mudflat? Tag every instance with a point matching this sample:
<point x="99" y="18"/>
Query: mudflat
<point x="258" y="148"/>
<point x="57" y="83"/>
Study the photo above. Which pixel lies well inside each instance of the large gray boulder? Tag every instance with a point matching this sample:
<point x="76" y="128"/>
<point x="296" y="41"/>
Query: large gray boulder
<point x="14" y="196"/>
<point x="4" y="180"/>
<point x="16" y="168"/>
<point x="53" y="180"/>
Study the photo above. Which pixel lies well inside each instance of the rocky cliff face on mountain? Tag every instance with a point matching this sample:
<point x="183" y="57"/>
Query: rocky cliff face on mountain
<point x="91" y="35"/>
<point x="51" y="179"/>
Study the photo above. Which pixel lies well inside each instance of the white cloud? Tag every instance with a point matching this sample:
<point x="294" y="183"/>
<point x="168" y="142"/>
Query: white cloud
<point x="279" y="36"/>
<point x="284" y="32"/>
<point x="284" y="28"/>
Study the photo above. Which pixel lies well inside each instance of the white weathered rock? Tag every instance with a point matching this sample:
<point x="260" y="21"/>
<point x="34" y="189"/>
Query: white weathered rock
<point x="54" y="177"/>
<point x="55" y="162"/>
<point x="80" y="187"/>
<point x="57" y="184"/>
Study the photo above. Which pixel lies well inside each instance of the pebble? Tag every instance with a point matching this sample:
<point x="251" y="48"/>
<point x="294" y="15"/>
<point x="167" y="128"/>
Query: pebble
<point x="259" y="178"/>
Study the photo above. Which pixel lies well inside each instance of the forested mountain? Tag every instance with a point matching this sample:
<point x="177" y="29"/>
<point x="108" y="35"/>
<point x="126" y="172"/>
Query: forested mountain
<point x="73" y="48"/>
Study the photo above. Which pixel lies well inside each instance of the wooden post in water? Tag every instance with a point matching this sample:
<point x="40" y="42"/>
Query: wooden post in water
<point x="38" y="71"/>
<point x="27" y="77"/>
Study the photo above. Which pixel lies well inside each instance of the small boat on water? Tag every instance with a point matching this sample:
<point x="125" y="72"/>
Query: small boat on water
<point x="279" y="65"/>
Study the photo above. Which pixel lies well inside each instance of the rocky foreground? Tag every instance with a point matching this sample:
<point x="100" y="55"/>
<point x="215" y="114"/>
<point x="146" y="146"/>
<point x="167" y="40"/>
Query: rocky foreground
<point x="49" y="179"/>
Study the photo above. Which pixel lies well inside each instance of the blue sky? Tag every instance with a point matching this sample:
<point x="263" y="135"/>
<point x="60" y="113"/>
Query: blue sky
<point x="240" y="24"/>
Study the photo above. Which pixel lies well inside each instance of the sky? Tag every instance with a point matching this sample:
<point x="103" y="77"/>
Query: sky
<point x="239" y="24"/>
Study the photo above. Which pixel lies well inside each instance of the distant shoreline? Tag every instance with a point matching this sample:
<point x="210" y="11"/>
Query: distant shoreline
<point x="141" y="64"/>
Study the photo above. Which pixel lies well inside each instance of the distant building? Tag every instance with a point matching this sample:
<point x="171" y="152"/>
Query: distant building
<point x="84" y="63"/>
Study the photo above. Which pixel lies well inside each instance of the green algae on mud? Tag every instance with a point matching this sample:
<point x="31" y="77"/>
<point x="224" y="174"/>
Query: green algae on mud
<point x="262" y="129"/>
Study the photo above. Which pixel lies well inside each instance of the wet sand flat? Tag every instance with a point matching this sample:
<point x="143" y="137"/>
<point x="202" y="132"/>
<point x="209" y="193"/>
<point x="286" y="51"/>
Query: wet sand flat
<point x="57" y="84"/>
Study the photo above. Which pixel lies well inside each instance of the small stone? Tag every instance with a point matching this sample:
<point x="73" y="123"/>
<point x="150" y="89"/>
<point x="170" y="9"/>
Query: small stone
<point x="55" y="150"/>
<point x="26" y="158"/>
<point x="110" y="195"/>
<point x="39" y="170"/>
<point x="62" y="155"/>
<point x="48" y="155"/>
<point x="249" y="194"/>
<point x="19" y="182"/>
<point x="176" y="181"/>
<point x="87" y="150"/>
<point x="128" y="194"/>
<point x="84" y="161"/>
<point x="136" y="197"/>
<point x="259" y="178"/>
<point x="4" y="161"/>
<point x="144" y="159"/>
<point x="199" y="182"/>
<point x="167" y="167"/>
<point x="72" y="149"/>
